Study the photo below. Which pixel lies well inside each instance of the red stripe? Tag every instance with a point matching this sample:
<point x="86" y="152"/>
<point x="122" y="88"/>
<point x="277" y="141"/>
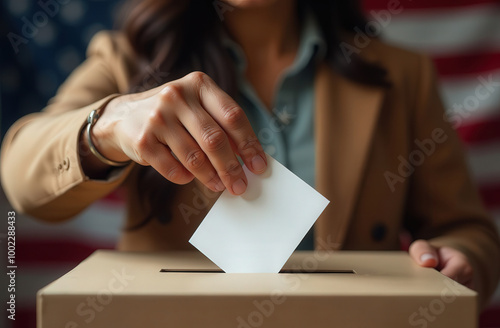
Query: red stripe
<point x="490" y="317"/>
<point x="55" y="251"/>
<point x="423" y="4"/>
<point x="25" y="316"/>
<point x="467" y="64"/>
<point x="490" y="195"/>
<point x="480" y="132"/>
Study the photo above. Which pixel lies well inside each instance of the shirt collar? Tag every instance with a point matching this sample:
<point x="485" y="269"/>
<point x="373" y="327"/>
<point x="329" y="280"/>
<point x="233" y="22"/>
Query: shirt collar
<point x="312" y="46"/>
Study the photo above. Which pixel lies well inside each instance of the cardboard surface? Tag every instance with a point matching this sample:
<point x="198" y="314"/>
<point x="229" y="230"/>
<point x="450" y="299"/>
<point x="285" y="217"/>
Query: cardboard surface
<point x="113" y="289"/>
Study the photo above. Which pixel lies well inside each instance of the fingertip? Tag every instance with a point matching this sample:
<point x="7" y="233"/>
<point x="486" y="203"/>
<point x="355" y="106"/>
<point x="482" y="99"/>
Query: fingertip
<point x="184" y="180"/>
<point x="424" y="253"/>
<point x="259" y="164"/>
<point x="428" y="260"/>
<point x="239" y="187"/>
<point x="219" y="187"/>
<point x="215" y="187"/>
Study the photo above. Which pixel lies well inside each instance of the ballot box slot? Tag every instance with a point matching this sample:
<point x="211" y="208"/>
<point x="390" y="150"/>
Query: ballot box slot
<point x="288" y="271"/>
<point x="317" y="271"/>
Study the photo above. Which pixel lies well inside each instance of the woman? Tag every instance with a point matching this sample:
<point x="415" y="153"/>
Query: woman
<point x="361" y="122"/>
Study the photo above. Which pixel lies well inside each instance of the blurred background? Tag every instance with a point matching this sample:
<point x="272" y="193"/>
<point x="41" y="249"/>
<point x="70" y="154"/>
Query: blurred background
<point x="41" y="44"/>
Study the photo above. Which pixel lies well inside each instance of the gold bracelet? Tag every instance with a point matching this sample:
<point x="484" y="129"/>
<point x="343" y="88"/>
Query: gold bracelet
<point x="91" y="120"/>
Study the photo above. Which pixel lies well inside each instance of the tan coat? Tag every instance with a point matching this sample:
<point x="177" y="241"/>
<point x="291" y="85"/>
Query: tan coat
<point x="363" y="134"/>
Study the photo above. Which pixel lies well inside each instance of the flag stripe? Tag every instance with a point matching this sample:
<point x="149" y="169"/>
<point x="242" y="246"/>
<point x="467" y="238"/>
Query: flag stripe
<point x="484" y="162"/>
<point x="481" y="132"/>
<point x="472" y="98"/>
<point x="467" y="64"/>
<point x="423" y="4"/>
<point x="490" y="195"/>
<point x="100" y="222"/>
<point x="443" y="32"/>
<point x="34" y="251"/>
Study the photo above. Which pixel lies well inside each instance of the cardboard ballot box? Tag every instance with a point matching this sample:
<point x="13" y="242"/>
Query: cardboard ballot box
<point x="315" y="289"/>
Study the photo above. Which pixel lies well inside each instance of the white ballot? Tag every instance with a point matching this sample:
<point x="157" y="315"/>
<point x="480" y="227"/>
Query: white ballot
<point x="259" y="230"/>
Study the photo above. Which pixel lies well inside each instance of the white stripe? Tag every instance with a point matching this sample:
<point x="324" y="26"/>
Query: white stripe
<point x="445" y="31"/>
<point x="484" y="163"/>
<point x="470" y="99"/>
<point x="101" y="222"/>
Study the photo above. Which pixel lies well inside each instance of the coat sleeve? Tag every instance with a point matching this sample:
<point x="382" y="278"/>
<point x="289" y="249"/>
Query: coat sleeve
<point x="40" y="161"/>
<point x="444" y="206"/>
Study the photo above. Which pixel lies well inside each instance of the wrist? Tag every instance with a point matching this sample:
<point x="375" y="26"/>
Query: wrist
<point x="102" y="136"/>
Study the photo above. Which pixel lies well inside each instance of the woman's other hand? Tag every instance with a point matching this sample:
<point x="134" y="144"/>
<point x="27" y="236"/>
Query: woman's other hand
<point x="188" y="128"/>
<point x="449" y="261"/>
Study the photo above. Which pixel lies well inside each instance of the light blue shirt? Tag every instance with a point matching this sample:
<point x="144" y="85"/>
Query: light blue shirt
<point x="287" y="133"/>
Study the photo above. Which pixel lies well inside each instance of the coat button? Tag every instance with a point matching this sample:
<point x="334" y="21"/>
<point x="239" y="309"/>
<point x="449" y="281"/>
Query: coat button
<point x="66" y="164"/>
<point x="379" y="231"/>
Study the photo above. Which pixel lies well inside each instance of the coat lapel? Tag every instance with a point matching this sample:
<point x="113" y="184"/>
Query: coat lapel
<point x="346" y="115"/>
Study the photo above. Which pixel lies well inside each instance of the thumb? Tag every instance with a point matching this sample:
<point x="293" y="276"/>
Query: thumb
<point x="424" y="253"/>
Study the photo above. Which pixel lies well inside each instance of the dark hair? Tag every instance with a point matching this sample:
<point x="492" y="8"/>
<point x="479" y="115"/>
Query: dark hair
<point x="174" y="38"/>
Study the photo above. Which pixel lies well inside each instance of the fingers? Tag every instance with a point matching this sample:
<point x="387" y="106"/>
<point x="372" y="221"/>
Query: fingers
<point x="424" y="253"/>
<point x="213" y="142"/>
<point x="205" y="130"/>
<point x="231" y="117"/>
<point x="456" y="266"/>
<point x="161" y="159"/>
<point x="200" y="143"/>
<point x="192" y="157"/>
<point x="457" y="269"/>
<point x="451" y="262"/>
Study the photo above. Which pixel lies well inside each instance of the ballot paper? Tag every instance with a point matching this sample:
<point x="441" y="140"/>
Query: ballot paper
<point x="258" y="231"/>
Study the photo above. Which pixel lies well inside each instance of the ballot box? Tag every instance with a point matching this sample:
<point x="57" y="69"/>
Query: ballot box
<point x="314" y="289"/>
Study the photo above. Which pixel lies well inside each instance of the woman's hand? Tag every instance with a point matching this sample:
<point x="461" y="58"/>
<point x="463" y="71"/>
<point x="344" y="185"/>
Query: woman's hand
<point x="184" y="129"/>
<point x="449" y="261"/>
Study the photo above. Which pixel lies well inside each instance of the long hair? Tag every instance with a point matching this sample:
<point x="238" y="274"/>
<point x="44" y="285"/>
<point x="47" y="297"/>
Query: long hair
<point x="172" y="38"/>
